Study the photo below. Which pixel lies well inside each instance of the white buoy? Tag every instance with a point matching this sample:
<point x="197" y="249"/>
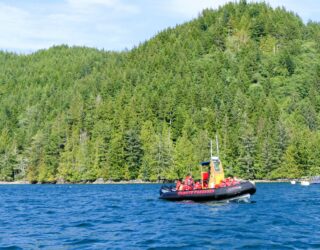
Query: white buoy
<point x="305" y="183"/>
<point x="293" y="182"/>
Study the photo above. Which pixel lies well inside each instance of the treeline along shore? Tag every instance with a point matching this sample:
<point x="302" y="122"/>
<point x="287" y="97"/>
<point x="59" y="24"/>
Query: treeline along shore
<point x="102" y="181"/>
<point x="245" y="72"/>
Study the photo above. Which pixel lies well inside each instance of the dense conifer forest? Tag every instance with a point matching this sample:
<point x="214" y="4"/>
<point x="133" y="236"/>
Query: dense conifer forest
<point x="246" y="72"/>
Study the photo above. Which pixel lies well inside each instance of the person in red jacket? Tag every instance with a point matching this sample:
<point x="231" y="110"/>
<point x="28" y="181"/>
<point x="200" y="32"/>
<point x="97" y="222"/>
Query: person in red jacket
<point x="189" y="182"/>
<point x="197" y="185"/>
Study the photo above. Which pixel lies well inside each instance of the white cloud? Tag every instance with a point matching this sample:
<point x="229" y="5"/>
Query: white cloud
<point x="15" y="26"/>
<point x="112" y="5"/>
<point x="108" y="24"/>
<point x="308" y="9"/>
<point x="191" y="8"/>
<point x="95" y="23"/>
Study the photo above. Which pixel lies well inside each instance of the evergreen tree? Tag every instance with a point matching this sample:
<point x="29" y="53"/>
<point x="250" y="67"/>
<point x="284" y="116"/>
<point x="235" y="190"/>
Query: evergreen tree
<point x="246" y="72"/>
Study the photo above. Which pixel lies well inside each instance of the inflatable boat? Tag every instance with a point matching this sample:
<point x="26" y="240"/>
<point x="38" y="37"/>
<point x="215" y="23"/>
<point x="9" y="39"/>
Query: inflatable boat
<point x="213" y="185"/>
<point x="211" y="194"/>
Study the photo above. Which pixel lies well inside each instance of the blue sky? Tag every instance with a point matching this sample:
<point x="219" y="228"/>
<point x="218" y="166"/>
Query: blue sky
<point x="29" y="25"/>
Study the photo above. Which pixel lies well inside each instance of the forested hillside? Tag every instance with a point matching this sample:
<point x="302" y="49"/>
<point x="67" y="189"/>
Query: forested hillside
<point x="246" y="72"/>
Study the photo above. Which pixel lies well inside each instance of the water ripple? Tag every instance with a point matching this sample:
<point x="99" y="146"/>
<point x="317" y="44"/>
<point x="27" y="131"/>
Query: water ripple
<point x="281" y="216"/>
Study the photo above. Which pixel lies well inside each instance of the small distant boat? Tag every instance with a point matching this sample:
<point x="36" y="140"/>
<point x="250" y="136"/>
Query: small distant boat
<point x="305" y="183"/>
<point x="293" y="182"/>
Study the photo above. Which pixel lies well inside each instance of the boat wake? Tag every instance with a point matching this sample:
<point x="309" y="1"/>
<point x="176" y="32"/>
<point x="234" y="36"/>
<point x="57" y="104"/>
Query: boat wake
<point x="240" y="199"/>
<point x="245" y="199"/>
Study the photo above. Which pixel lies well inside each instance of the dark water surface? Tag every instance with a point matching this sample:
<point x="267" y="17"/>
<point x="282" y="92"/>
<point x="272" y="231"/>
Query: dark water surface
<point x="281" y="216"/>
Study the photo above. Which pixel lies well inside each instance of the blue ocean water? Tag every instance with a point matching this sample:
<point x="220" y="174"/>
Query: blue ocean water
<point x="280" y="216"/>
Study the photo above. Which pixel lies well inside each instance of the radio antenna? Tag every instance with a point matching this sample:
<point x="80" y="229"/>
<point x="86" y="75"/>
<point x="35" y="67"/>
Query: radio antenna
<point x="217" y="143"/>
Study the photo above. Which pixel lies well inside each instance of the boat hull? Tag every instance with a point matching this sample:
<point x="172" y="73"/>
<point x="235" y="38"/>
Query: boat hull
<point x="212" y="194"/>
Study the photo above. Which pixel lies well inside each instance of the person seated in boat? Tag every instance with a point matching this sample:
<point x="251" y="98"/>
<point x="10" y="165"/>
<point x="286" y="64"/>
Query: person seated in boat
<point x="228" y="182"/>
<point x="187" y="188"/>
<point x="205" y="184"/>
<point x="197" y="185"/>
<point x="178" y="184"/>
<point x="188" y="182"/>
<point x="182" y="186"/>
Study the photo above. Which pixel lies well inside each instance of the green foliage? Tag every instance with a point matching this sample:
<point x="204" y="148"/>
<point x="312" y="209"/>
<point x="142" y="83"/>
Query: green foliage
<point x="246" y="72"/>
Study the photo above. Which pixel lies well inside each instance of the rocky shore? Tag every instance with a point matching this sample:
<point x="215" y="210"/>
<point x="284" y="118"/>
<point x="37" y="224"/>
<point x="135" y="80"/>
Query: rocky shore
<point x="98" y="181"/>
<point x="277" y="180"/>
<point x="14" y="182"/>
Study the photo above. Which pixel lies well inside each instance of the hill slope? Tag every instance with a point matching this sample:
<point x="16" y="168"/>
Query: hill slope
<point x="247" y="72"/>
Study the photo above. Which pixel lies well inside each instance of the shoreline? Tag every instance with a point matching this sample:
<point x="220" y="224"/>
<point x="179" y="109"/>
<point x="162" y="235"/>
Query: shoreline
<point x="273" y="181"/>
<point x="97" y="182"/>
<point x="100" y="181"/>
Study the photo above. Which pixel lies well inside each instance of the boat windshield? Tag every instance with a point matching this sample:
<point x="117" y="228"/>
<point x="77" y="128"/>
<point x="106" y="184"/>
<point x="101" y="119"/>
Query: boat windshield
<point x="216" y="165"/>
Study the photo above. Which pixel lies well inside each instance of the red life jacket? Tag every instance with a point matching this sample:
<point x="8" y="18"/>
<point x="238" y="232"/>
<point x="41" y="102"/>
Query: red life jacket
<point x="227" y="182"/>
<point x="189" y="181"/>
<point x="197" y="185"/>
<point x="187" y="188"/>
